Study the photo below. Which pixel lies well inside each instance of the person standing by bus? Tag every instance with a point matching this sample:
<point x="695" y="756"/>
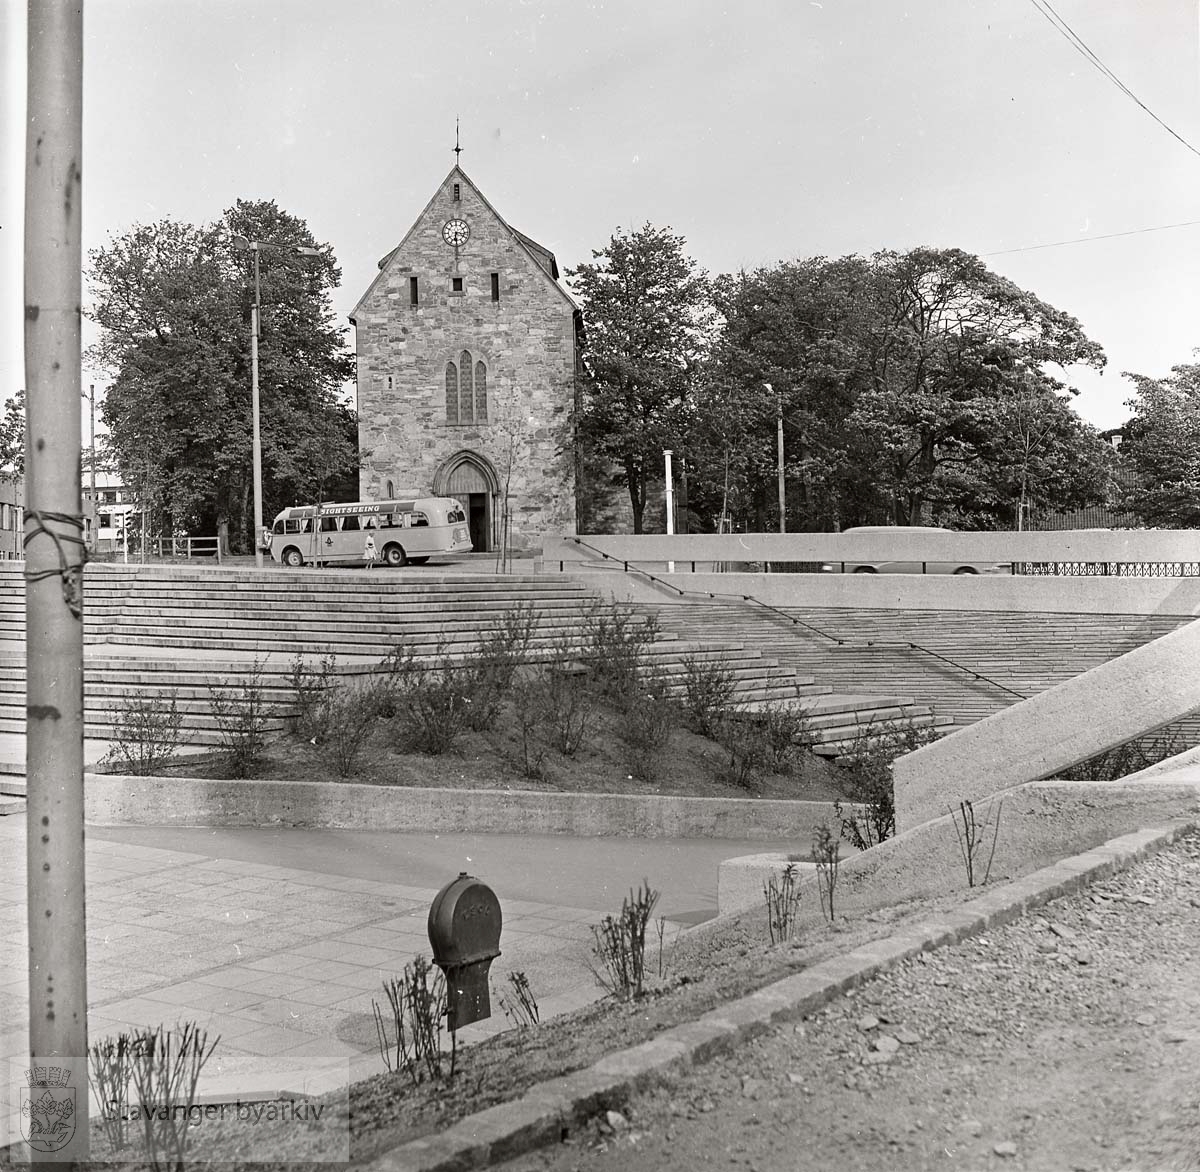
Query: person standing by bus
<point x="370" y="553"/>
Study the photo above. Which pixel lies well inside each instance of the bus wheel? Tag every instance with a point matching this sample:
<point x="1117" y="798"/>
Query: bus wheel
<point x="394" y="555"/>
<point x="417" y="561"/>
<point x="292" y="557"/>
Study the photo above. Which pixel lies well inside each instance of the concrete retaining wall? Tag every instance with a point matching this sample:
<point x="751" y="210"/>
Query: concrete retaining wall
<point x="114" y="800"/>
<point x="1039" y="824"/>
<point x="1002" y="594"/>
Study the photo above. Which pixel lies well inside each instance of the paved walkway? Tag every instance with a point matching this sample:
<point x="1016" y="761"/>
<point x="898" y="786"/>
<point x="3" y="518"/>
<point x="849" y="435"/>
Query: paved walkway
<point x="279" y="940"/>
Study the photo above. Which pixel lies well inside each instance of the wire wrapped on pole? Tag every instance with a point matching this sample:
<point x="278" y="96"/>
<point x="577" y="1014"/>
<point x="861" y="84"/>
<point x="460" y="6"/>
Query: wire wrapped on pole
<point x="71" y="574"/>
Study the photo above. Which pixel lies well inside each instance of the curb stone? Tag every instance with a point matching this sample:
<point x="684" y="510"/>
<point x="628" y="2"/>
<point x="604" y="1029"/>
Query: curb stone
<point x="545" y="1112"/>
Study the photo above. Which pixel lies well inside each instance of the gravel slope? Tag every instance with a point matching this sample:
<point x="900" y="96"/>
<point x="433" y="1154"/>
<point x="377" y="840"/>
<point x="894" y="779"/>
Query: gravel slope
<point x="1069" y="1040"/>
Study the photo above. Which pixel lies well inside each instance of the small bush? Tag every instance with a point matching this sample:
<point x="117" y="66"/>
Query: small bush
<point x="309" y="686"/>
<point x="615" y="646"/>
<point x="1122" y="760"/>
<point x="241" y="711"/>
<point x="344" y="720"/>
<point x="971" y="833"/>
<point x="708" y="692"/>
<point x="787" y="731"/>
<point x="648" y="717"/>
<point x="417" y="1004"/>
<point x="488" y="676"/>
<point x="435" y="712"/>
<point x="782" y="893"/>
<point x="749" y="751"/>
<point x="164" y="1068"/>
<point x="146" y="734"/>
<point x="567" y="709"/>
<point x="518" y="1002"/>
<point x="619" y="944"/>
<point x="528" y="698"/>
<point x="867" y="779"/>
<point x="826" y="850"/>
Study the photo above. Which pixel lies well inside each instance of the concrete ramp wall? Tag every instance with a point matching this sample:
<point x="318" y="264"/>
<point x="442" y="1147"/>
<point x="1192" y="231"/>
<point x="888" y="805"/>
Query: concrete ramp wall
<point x="1071" y="722"/>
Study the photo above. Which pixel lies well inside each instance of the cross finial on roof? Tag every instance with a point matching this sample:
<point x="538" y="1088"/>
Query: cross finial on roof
<point x="457" y="148"/>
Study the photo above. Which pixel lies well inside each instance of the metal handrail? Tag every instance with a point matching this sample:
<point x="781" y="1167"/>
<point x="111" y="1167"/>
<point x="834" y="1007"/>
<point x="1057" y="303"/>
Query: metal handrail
<point x="906" y="644"/>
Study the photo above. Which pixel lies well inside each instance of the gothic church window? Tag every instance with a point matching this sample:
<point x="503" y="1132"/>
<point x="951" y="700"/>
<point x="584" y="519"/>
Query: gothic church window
<point x="466" y="390"/>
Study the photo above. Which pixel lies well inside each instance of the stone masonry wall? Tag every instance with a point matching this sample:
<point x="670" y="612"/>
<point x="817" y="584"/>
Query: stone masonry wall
<point x="526" y="339"/>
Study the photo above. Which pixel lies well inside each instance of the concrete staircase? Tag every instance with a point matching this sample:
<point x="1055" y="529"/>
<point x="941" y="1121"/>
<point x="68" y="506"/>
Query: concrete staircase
<point x="175" y="633"/>
<point x="1017" y="654"/>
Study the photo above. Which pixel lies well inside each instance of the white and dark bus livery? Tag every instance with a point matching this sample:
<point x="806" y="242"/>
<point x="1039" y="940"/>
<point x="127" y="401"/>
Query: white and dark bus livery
<point x="405" y="532"/>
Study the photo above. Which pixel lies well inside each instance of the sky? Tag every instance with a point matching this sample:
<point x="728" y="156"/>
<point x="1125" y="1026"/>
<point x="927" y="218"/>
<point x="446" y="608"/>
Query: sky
<point x="762" y="131"/>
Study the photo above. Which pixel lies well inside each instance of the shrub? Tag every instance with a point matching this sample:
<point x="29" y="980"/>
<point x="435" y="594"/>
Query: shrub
<point x="527" y="707"/>
<point x="619" y="944"/>
<point x="163" y="1068"/>
<point x="1122" y="760"/>
<point x="782" y="894"/>
<point x="615" y="645"/>
<point x="749" y="750"/>
<point x="146" y="734"/>
<point x="567" y="708"/>
<point x="867" y="779"/>
<point x="518" y="1002"/>
<point x="787" y="731"/>
<point x="971" y="834"/>
<point x="647" y="719"/>
<point x="241" y="711"/>
<point x="488" y="675"/>
<point x="309" y="686"/>
<point x="434" y="712"/>
<point x="826" y="849"/>
<point x="708" y="692"/>
<point x="344" y="720"/>
<point x="417" y="1004"/>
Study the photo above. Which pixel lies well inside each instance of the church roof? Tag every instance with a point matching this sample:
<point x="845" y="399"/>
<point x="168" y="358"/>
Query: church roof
<point x="538" y="253"/>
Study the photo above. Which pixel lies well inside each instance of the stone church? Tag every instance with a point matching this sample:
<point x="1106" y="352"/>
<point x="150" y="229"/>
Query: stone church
<point x="468" y="351"/>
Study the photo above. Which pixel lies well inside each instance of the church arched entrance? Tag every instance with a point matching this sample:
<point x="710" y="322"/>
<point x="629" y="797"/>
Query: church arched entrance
<point x="471" y="478"/>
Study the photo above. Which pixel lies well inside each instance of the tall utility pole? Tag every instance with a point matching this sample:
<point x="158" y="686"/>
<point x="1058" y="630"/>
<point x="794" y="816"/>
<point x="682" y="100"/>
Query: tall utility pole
<point x="54" y="555"/>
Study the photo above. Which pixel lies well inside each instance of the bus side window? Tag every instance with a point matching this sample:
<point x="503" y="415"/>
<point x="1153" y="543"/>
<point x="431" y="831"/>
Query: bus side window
<point x="349" y="524"/>
<point x="370" y="523"/>
<point x="306" y="525"/>
<point x="329" y="525"/>
<point x="416" y="519"/>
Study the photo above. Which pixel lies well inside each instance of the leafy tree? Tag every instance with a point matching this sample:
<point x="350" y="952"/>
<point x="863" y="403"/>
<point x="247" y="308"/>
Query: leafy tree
<point x="913" y="387"/>
<point x="1162" y="442"/>
<point x="12" y="438"/>
<point x="649" y="317"/>
<point x="174" y="304"/>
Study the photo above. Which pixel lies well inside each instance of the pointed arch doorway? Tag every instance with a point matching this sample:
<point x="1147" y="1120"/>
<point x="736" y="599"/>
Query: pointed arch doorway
<point x="471" y="478"/>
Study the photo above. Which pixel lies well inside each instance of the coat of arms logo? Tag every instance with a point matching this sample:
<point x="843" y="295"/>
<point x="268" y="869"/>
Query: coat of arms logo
<point x="47" y="1108"/>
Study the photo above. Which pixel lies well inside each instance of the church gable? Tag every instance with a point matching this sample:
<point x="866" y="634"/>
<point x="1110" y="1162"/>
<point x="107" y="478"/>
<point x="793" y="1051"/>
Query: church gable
<point x="460" y="235"/>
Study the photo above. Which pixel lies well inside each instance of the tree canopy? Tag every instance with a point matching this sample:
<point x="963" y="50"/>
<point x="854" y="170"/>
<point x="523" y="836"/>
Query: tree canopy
<point x="649" y="318"/>
<point x="173" y="302"/>
<point x="1162" y="443"/>
<point x="914" y="388"/>
<point x="12" y="438"/>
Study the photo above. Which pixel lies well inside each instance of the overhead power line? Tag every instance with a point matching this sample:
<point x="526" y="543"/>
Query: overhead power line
<point x="1077" y="43"/>
<point x="1091" y="239"/>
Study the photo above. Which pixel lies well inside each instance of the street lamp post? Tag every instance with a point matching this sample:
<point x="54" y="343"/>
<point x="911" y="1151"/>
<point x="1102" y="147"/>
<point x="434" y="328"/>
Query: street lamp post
<point x="256" y="246"/>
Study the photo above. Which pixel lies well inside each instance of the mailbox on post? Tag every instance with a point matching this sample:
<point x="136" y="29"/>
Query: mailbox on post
<point x="464" y="933"/>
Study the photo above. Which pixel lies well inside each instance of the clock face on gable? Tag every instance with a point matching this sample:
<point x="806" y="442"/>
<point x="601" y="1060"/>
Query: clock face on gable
<point x="455" y="232"/>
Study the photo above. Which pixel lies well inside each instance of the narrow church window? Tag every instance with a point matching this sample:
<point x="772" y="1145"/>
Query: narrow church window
<point x="451" y="393"/>
<point x="466" y="413"/>
<point x="495" y="286"/>
<point x="457" y="284"/>
<point x="412" y="291"/>
<point x="480" y="393"/>
<point x="457" y="193"/>
<point x="391" y="490"/>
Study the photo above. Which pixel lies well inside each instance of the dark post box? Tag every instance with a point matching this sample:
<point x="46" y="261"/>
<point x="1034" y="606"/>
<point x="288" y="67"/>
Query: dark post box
<point x="464" y="933"/>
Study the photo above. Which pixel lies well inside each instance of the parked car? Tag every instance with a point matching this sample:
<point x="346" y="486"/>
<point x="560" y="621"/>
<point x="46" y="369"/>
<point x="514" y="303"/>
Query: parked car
<point x="912" y="567"/>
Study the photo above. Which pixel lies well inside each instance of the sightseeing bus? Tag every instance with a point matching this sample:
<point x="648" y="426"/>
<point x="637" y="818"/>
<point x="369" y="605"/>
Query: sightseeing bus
<point x="405" y="532"/>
